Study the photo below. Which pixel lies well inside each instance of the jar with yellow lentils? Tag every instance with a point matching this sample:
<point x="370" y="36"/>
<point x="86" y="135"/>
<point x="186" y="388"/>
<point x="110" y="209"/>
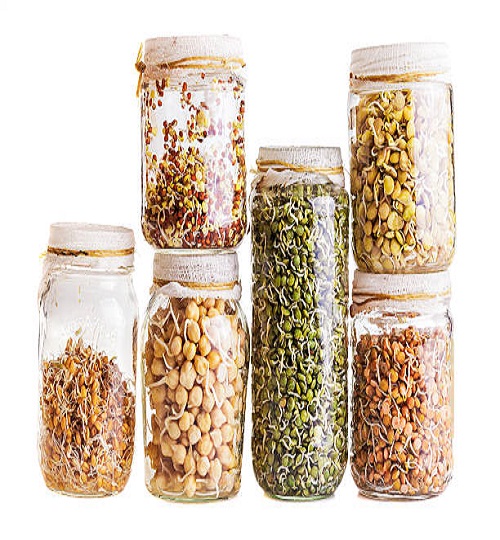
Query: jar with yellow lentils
<point x="402" y="172"/>
<point x="195" y="355"/>
<point x="402" y="396"/>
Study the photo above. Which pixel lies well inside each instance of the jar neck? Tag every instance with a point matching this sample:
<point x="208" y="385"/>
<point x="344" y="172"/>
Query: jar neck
<point x="175" y="289"/>
<point x="86" y="263"/>
<point x="419" y="303"/>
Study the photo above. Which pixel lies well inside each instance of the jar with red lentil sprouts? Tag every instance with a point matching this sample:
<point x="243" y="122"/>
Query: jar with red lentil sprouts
<point x="402" y="172"/>
<point x="193" y="145"/>
<point x="195" y="355"/>
<point x="87" y="354"/>
<point x="402" y="399"/>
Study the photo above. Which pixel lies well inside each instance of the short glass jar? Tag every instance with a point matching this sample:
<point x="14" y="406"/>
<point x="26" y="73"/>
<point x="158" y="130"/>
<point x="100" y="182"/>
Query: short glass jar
<point x="402" y="398"/>
<point x="300" y="228"/>
<point x="87" y="352"/>
<point x="195" y="356"/>
<point x="193" y="144"/>
<point x="402" y="169"/>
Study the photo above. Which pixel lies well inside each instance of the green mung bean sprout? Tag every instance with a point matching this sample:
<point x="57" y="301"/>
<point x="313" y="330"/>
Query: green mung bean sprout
<point x="299" y="339"/>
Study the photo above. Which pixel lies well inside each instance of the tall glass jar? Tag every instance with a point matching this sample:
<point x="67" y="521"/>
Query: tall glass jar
<point x="193" y="144"/>
<point x="402" y="399"/>
<point x="402" y="173"/>
<point x="300" y="223"/>
<point x="195" y="356"/>
<point x="87" y="350"/>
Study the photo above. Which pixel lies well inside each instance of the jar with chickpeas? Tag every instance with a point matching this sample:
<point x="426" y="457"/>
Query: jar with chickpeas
<point x="402" y="169"/>
<point x="195" y="356"/>
<point x="402" y="397"/>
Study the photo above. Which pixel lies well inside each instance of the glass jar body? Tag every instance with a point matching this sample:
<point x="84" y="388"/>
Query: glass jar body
<point x="299" y="338"/>
<point x="195" y="357"/>
<point x="87" y="354"/>
<point x="193" y="159"/>
<point x="402" y="402"/>
<point x="402" y="175"/>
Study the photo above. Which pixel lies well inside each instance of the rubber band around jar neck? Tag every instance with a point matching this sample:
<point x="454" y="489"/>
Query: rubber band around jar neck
<point x="399" y="297"/>
<point x="97" y="253"/>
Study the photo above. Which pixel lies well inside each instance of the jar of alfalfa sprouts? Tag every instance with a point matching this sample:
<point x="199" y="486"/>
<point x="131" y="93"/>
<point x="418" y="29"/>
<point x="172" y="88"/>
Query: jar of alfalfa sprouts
<point x="87" y="349"/>
<point x="193" y="145"/>
<point x="402" y="397"/>
<point x="402" y="172"/>
<point x="195" y="356"/>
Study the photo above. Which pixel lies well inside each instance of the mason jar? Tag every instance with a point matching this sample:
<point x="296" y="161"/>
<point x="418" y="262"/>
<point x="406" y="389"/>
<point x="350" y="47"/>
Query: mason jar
<point x="193" y="143"/>
<point x="402" y="398"/>
<point x="402" y="172"/>
<point x="300" y="224"/>
<point x="87" y="350"/>
<point x="195" y="356"/>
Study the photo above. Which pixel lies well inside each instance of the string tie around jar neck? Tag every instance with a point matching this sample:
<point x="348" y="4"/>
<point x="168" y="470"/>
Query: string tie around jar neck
<point x="198" y="285"/>
<point x="90" y="252"/>
<point x="265" y="165"/>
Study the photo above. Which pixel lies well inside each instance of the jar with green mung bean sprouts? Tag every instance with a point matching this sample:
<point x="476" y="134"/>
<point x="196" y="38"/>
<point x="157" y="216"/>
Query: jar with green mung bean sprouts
<point x="402" y="171"/>
<point x="300" y="223"/>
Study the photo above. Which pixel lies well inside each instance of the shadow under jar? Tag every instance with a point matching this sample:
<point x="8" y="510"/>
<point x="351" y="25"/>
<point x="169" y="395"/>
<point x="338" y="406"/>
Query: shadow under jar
<point x="193" y="145"/>
<point x="87" y="352"/>
<point x="402" y="398"/>
<point x="300" y="223"/>
<point x="402" y="171"/>
<point x="195" y="363"/>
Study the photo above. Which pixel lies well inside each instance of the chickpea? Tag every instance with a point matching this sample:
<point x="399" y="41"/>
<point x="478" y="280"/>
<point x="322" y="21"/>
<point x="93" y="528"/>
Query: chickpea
<point x="172" y="378"/>
<point x="214" y="359"/>
<point x="193" y="331"/>
<point x="201" y="365"/>
<point x="195" y="396"/>
<point x="215" y="470"/>
<point x="232" y="371"/>
<point x="190" y="486"/>
<point x="162" y="482"/>
<point x="227" y="433"/>
<point x="170" y="360"/>
<point x="176" y="346"/>
<point x="220" y="391"/>
<point x="158" y="368"/>
<point x="173" y="429"/>
<point x="217" y="417"/>
<point x="228" y="411"/>
<point x="216" y="436"/>
<point x="220" y="305"/>
<point x="213" y="312"/>
<point x="203" y="420"/>
<point x="203" y="311"/>
<point x="211" y="378"/>
<point x="158" y="394"/>
<point x="181" y="396"/>
<point x="170" y="395"/>
<point x="225" y="456"/>
<point x="166" y="447"/>
<point x="221" y="373"/>
<point x="209" y="303"/>
<point x="159" y="348"/>
<point x="204" y="345"/>
<point x="212" y="454"/>
<point x="185" y="421"/>
<point x="188" y="375"/>
<point x="189" y="350"/>
<point x="226" y="483"/>
<point x="178" y="454"/>
<point x="203" y="465"/>
<point x="194" y="435"/>
<point x="229" y="391"/>
<point x="204" y="445"/>
<point x="189" y="463"/>
<point x="193" y="311"/>
<point x="208" y="402"/>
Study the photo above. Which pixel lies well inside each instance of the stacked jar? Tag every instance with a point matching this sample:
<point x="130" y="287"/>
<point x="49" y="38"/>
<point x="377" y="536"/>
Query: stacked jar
<point x="195" y="339"/>
<point x="402" y="186"/>
<point x="300" y="223"/>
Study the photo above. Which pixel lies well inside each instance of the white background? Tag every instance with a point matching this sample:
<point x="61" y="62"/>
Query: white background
<point x="70" y="150"/>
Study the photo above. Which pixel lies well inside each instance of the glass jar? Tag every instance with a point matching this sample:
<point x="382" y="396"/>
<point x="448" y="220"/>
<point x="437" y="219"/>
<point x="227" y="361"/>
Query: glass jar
<point x="193" y="144"/>
<point x="402" y="399"/>
<point x="195" y="356"/>
<point x="87" y="351"/>
<point x="402" y="172"/>
<point x="300" y="224"/>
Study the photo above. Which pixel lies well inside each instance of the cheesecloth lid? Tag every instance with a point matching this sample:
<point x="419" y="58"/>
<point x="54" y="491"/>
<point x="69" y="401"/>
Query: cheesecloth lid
<point x="92" y="245"/>
<point x="278" y="163"/>
<point x="400" y="58"/>
<point x="197" y="273"/>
